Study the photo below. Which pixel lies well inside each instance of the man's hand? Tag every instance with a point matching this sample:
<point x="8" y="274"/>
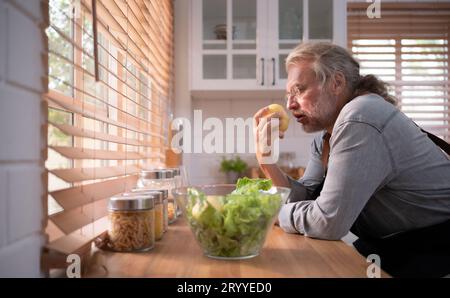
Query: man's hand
<point x="263" y="130"/>
<point x="284" y="118"/>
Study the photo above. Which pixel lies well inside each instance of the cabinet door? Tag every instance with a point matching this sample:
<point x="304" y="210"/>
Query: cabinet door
<point x="213" y="42"/>
<point x="286" y="30"/>
<point x="320" y="20"/>
<point x="294" y="21"/>
<point x="227" y="44"/>
<point x="244" y="51"/>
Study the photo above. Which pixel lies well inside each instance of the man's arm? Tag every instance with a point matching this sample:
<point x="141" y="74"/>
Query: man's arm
<point x="272" y="171"/>
<point x="359" y="164"/>
<point x="304" y="188"/>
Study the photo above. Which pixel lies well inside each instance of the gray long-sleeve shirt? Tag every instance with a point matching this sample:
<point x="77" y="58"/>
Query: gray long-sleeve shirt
<point x="383" y="173"/>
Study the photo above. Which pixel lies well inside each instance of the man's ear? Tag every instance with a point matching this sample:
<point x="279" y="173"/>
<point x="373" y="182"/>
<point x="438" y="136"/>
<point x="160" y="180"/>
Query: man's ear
<point x="338" y="83"/>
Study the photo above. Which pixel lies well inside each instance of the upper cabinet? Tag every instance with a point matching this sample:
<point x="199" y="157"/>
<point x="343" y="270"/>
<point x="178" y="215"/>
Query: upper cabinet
<point x="242" y="44"/>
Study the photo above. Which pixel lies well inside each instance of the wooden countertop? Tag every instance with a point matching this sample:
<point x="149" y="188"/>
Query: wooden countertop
<point x="283" y="255"/>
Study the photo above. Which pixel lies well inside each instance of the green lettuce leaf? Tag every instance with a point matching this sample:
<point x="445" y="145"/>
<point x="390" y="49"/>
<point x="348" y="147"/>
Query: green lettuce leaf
<point x="246" y="185"/>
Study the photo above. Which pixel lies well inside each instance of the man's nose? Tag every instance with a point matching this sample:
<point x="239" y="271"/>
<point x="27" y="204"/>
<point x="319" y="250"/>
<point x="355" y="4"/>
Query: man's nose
<point x="292" y="103"/>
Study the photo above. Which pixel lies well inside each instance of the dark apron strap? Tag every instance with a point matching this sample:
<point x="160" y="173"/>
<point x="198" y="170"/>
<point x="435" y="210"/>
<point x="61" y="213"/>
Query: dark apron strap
<point x="438" y="141"/>
<point x="325" y="155"/>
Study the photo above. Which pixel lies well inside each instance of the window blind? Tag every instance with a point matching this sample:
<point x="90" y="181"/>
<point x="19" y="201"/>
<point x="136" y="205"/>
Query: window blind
<point x="409" y="48"/>
<point x="109" y="105"/>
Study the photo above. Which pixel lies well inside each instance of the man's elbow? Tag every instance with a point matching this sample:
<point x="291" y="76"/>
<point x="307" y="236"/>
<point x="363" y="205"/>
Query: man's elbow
<point x="325" y="232"/>
<point x="326" y="236"/>
<point x="316" y="233"/>
<point x="305" y="218"/>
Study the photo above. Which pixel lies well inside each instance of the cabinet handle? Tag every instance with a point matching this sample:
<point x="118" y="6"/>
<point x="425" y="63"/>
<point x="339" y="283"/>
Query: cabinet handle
<point x="262" y="71"/>
<point x="273" y="71"/>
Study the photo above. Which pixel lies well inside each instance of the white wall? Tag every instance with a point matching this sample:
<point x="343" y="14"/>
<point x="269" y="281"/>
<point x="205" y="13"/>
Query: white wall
<point x="206" y="169"/>
<point x="21" y="141"/>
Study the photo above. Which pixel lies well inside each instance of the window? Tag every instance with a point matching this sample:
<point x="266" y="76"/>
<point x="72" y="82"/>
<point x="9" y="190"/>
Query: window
<point x="101" y="133"/>
<point x="408" y="47"/>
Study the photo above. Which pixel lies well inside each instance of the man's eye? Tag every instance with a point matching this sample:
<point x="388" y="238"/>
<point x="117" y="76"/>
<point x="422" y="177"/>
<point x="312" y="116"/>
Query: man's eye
<point x="299" y="90"/>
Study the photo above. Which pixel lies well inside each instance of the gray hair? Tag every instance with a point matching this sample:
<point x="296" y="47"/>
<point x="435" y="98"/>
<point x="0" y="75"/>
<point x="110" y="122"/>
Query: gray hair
<point x="329" y="59"/>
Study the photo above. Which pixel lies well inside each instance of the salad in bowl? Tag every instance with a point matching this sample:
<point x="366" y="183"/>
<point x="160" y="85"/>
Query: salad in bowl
<point x="232" y="221"/>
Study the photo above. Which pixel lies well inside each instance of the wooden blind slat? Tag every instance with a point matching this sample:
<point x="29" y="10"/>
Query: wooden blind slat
<point x="80" y="132"/>
<point x="418" y="101"/>
<point x="82" y="174"/>
<point x="362" y="35"/>
<point x="403" y="6"/>
<point x="405" y="84"/>
<point x="78" y="196"/>
<point x="365" y="31"/>
<point x="75" y="105"/>
<point x="76" y="218"/>
<point x="74" y="242"/>
<point x="436" y="128"/>
<point x="83" y="153"/>
<point x="396" y="20"/>
<point x="431" y="118"/>
<point x="375" y="45"/>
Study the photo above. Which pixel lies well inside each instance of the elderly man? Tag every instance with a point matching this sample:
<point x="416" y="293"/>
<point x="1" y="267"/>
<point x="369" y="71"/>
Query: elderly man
<point x="371" y="171"/>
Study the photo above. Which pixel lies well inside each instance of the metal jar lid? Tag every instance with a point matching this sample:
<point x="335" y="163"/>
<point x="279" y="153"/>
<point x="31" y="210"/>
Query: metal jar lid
<point x="131" y="203"/>
<point x="164" y="192"/>
<point x="157" y="195"/>
<point x="156" y="174"/>
<point x="176" y="171"/>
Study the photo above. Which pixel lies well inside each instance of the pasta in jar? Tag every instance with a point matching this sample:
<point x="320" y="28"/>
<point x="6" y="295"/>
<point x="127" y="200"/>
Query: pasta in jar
<point x="159" y="221"/>
<point x="131" y="223"/>
<point x="161" y="217"/>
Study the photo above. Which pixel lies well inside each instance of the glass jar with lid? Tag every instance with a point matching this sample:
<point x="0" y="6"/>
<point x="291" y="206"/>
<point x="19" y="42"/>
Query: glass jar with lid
<point x="178" y="183"/>
<point x="156" y="179"/>
<point x="176" y="176"/>
<point x="165" y="194"/>
<point x="160" y="179"/>
<point x="158" y="206"/>
<point x="131" y="223"/>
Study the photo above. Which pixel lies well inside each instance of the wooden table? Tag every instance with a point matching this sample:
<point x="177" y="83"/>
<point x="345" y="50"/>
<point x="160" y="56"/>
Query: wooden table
<point x="284" y="255"/>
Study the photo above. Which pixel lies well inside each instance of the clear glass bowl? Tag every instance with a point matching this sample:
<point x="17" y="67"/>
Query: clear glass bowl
<point x="230" y="228"/>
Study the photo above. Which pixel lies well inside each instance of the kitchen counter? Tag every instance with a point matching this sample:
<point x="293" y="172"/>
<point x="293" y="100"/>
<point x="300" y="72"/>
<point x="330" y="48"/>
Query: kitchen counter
<point x="283" y="255"/>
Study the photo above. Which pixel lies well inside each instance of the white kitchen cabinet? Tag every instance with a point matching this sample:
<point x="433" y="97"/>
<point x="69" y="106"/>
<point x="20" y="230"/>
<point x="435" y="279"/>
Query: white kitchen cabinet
<point x="263" y="32"/>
